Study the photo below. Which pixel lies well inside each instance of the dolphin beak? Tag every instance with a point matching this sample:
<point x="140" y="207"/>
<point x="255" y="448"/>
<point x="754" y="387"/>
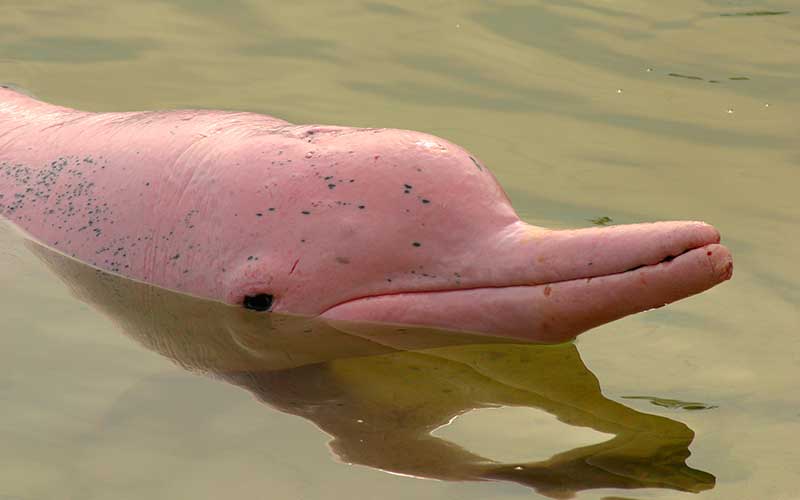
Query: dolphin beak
<point x="541" y="285"/>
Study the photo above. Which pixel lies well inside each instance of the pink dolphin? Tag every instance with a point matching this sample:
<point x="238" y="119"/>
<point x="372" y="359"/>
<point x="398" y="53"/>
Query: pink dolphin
<point x="350" y="224"/>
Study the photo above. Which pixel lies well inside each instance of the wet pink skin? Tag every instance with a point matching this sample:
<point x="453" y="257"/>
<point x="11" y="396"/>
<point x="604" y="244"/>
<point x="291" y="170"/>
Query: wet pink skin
<point x="351" y="224"/>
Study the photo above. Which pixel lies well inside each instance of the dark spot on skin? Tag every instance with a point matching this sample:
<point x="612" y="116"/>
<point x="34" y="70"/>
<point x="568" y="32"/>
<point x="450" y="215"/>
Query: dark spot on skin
<point x="261" y="302"/>
<point x="271" y="209"/>
<point x="305" y="212"/>
<point x="362" y="207"/>
<point x="709" y="254"/>
<point x="331" y="186"/>
<point x="547" y="291"/>
<point x="259" y="214"/>
<point x="476" y="163"/>
<point x="176" y="256"/>
<point x="146" y="183"/>
<point x="250" y="258"/>
<point x="425" y="201"/>
<point x="408" y="186"/>
<point x="342" y="260"/>
<point x="417" y="244"/>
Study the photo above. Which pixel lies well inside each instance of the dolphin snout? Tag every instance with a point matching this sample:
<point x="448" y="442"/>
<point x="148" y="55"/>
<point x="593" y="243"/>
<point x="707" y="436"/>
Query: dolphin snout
<point x="550" y="286"/>
<point x="721" y="262"/>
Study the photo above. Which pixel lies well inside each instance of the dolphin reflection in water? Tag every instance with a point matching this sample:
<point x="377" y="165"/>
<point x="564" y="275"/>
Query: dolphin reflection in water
<point x="338" y="375"/>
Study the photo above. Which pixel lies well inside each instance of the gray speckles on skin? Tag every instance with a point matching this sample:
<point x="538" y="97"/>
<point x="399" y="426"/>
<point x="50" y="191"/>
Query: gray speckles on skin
<point x="72" y="208"/>
<point x="75" y="201"/>
<point x="187" y="220"/>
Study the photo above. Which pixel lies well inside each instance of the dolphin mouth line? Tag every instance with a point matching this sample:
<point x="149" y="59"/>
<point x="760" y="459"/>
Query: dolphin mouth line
<point x="668" y="258"/>
<point x="666" y="261"/>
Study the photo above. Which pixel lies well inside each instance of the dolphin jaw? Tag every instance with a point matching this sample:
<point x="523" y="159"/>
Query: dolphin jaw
<point x="560" y="308"/>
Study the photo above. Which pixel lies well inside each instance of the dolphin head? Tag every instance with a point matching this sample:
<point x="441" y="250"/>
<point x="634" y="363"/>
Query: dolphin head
<point x="401" y="227"/>
<point x="342" y="223"/>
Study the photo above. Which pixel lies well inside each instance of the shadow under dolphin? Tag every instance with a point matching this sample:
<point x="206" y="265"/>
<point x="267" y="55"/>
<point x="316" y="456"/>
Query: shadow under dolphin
<point x="381" y="390"/>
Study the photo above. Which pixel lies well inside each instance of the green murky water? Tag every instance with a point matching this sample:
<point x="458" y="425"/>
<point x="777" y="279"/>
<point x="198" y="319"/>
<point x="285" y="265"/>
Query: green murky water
<point x="617" y="112"/>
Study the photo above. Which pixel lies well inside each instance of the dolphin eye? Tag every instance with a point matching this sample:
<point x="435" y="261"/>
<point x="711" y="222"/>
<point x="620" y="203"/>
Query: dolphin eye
<point x="261" y="302"/>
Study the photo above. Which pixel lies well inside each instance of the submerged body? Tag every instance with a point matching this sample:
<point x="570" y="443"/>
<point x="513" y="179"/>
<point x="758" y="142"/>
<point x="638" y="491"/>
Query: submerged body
<point x="354" y="224"/>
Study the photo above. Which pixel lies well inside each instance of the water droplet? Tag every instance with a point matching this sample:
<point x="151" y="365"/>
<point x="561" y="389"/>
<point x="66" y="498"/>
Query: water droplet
<point x="730" y="111"/>
<point x="458" y="25"/>
<point x="619" y="91"/>
<point x="519" y="467"/>
<point x="649" y="70"/>
<point x="360" y="421"/>
<point x="766" y="105"/>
